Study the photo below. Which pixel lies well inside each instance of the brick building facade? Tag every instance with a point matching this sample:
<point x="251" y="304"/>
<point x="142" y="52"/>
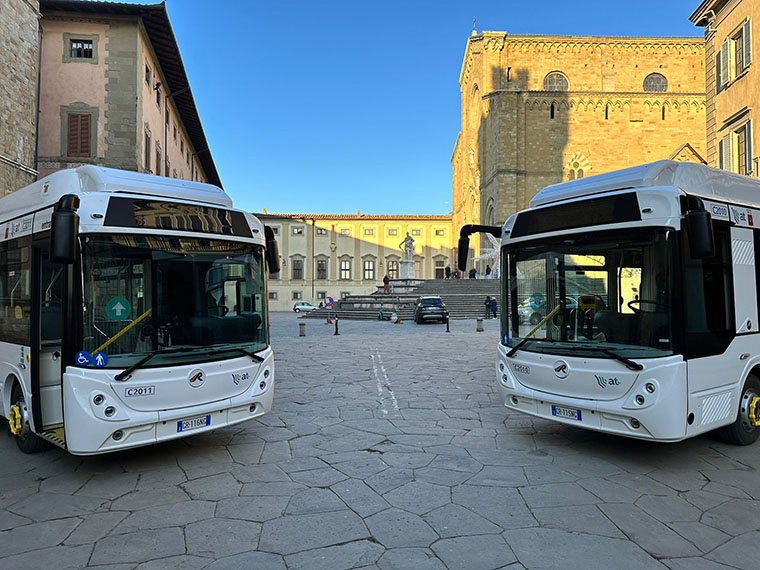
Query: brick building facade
<point x="19" y="54"/>
<point x="537" y="110"/>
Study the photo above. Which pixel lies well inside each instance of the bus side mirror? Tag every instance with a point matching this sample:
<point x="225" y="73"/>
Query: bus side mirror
<point x="64" y="231"/>
<point x="464" y="249"/>
<point x="273" y="251"/>
<point x="699" y="226"/>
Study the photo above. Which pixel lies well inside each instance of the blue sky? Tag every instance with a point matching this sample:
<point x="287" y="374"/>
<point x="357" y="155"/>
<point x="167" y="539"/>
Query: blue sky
<point x="335" y="106"/>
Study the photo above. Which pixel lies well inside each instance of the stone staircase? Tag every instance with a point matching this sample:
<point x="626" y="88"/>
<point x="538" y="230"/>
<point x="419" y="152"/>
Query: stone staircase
<point x="463" y="297"/>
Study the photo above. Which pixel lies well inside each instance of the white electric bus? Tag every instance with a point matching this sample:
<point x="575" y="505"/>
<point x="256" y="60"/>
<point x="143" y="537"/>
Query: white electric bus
<point x="630" y="303"/>
<point x="133" y="310"/>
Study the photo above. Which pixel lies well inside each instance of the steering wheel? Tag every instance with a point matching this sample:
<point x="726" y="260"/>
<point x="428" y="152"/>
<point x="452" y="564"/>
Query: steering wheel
<point x="656" y="304"/>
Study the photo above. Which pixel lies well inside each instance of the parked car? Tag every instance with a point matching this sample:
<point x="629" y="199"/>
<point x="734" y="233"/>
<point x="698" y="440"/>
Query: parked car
<point x="533" y="309"/>
<point x="303" y="306"/>
<point x="430" y="308"/>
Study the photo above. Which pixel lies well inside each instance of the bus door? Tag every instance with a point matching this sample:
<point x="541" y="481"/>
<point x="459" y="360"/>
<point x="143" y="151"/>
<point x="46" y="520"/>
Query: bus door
<point x="48" y="296"/>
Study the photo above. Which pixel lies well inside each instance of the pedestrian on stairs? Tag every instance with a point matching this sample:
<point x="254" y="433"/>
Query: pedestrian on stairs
<point x="386" y="284"/>
<point x="488" y="271"/>
<point x="487" y="304"/>
<point x="494" y="307"/>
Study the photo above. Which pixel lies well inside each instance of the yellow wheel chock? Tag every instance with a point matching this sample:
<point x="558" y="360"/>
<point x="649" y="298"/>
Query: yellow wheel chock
<point x="15" y="419"/>
<point x="754" y="411"/>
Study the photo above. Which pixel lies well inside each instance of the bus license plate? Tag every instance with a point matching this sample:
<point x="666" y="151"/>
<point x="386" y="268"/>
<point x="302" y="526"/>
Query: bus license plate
<point x="568" y="413"/>
<point x="193" y="423"/>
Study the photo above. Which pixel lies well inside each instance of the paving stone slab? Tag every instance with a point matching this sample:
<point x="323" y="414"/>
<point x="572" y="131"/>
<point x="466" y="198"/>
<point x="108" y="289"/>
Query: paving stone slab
<point x="213" y="488"/>
<point x="390" y="479"/>
<point x="314" y="501"/>
<point x="669" y="509"/>
<point x="256" y="508"/>
<point x="9" y="520"/>
<point x="219" y="537"/>
<point x="49" y="506"/>
<point x="394" y="528"/>
<point x="704" y="537"/>
<point x="357" y="554"/>
<point x="359" y="497"/>
<point x="95" y="527"/>
<point x="646" y="531"/>
<point x="58" y="557"/>
<point x="734" y="517"/>
<point x="474" y="552"/>
<point x="694" y="564"/>
<point x="139" y="546"/>
<point x="550" y="549"/>
<point x="137" y="500"/>
<point x="501" y="476"/>
<point x="249" y="560"/>
<point x="454" y="520"/>
<point x="505" y="508"/>
<point x="739" y="552"/>
<point x="175" y="514"/>
<point x="296" y="533"/>
<point x="586" y="519"/>
<point x="419" y="497"/>
<point x="37" y="535"/>
<point x="408" y="558"/>
<point x="557" y="495"/>
<point x="182" y="562"/>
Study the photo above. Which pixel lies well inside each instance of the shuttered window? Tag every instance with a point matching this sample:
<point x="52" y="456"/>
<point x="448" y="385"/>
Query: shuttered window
<point x="747" y="40"/>
<point x="78" y="139"/>
<point x="147" y="152"/>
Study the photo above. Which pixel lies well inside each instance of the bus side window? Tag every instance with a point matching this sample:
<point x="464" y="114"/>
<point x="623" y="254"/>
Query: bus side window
<point x="708" y="297"/>
<point x="15" y="290"/>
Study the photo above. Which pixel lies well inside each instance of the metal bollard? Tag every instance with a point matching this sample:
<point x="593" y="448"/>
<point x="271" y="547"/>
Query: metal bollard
<point x="447" y="324"/>
<point x="301" y="329"/>
<point x="336" y="327"/>
<point x="480" y="326"/>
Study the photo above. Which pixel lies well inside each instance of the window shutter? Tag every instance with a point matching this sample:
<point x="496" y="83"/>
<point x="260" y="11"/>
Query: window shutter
<point x="72" y="144"/>
<point x="84" y="135"/>
<point x="747" y="48"/>
<point x="728" y="159"/>
<point x="724" y="63"/>
<point x="718" y="73"/>
<point x="748" y="148"/>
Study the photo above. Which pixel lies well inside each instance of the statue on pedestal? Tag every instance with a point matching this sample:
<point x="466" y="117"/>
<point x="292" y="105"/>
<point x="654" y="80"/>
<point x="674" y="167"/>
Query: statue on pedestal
<point x="408" y="247"/>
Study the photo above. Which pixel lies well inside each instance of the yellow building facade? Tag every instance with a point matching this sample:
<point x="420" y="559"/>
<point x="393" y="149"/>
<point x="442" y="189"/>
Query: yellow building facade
<point x="732" y="83"/>
<point x="537" y="110"/>
<point x="323" y="255"/>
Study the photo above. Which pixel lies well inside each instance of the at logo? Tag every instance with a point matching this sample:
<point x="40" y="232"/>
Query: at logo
<point x="604" y="382"/>
<point x="238" y="378"/>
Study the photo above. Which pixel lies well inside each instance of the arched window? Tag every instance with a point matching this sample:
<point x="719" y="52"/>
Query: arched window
<point x="577" y="166"/>
<point x="655" y="83"/>
<point x="551" y="111"/>
<point x="555" y="81"/>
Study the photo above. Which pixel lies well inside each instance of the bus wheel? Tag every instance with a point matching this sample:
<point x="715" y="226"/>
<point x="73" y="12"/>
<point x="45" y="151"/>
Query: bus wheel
<point x="27" y="441"/>
<point x="744" y="431"/>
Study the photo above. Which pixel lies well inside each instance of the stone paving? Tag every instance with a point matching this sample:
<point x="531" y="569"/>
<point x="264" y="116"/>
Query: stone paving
<point x="386" y="448"/>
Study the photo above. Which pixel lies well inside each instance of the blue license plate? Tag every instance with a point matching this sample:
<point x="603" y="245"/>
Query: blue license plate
<point x="193" y="423"/>
<point x="569" y="413"/>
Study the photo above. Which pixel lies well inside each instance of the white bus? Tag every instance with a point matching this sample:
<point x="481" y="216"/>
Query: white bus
<point x="133" y="310"/>
<point x="630" y="303"/>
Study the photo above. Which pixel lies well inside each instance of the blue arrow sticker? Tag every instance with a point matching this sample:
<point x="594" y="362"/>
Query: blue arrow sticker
<point x="99" y="359"/>
<point x="83" y="358"/>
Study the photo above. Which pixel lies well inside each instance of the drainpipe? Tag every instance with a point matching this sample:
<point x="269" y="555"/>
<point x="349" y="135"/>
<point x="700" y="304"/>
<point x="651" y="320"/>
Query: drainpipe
<point x="37" y="116"/>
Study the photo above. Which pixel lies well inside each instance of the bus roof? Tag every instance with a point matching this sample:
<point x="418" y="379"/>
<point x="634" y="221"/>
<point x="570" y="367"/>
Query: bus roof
<point x="90" y="178"/>
<point x="693" y="179"/>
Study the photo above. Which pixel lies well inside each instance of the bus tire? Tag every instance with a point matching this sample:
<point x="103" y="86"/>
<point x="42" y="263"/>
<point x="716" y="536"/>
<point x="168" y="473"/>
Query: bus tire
<point x="27" y="441"/>
<point x="742" y="432"/>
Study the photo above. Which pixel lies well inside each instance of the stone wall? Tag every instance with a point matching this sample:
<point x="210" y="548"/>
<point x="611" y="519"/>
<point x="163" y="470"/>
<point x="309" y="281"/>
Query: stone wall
<point x="517" y="137"/>
<point x="18" y="92"/>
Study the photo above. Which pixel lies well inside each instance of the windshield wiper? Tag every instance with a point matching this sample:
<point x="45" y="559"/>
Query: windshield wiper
<point x="630" y="364"/>
<point x="121" y="376"/>
<point x="255" y="357"/>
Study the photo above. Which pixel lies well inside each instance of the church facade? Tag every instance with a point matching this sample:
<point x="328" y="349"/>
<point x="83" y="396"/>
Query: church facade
<point x="538" y="110"/>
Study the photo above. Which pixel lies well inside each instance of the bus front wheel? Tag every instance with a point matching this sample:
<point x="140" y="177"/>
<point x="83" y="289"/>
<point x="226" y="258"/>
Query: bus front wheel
<point x="27" y="441"/>
<point x="744" y="431"/>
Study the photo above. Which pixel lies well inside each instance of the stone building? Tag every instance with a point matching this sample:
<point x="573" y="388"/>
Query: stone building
<point x="113" y="92"/>
<point x="537" y="110"/>
<point x="18" y="93"/>
<point x="732" y="82"/>
<point x="337" y="255"/>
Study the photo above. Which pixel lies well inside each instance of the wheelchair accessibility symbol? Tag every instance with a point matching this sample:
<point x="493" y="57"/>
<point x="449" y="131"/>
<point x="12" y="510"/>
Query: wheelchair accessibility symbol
<point x="83" y="358"/>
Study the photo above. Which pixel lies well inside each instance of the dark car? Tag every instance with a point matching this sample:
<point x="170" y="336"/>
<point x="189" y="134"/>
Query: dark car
<point x="430" y="308"/>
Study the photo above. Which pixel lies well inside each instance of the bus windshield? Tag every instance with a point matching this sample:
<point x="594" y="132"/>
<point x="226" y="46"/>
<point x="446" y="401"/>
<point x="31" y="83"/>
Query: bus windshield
<point x="597" y="294"/>
<point x="153" y="293"/>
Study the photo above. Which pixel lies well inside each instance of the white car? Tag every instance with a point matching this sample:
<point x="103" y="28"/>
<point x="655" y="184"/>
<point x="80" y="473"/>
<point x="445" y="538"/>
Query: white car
<point x="303" y="306"/>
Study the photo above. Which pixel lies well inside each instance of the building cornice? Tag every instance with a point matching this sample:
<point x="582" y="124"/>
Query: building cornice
<point x="353" y="217"/>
